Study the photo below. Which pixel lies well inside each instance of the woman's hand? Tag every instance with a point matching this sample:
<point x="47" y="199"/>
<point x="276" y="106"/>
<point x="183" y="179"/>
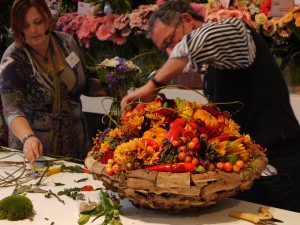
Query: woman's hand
<point x="32" y="149"/>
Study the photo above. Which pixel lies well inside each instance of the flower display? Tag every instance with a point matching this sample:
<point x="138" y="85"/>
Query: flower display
<point x="283" y="36"/>
<point x="106" y="26"/>
<point x="174" y="135"/>
<point x="120" y="75"/>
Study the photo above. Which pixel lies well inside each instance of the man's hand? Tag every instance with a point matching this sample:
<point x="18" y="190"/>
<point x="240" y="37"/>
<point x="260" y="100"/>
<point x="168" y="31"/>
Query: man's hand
<point x="146" y="93"/>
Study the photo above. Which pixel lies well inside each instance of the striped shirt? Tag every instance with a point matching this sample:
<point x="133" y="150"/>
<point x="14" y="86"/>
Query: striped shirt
<point x="226" y="44"/>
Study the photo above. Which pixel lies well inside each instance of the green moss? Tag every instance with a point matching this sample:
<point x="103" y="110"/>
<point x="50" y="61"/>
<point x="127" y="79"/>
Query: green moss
<point x="16" y="207"/>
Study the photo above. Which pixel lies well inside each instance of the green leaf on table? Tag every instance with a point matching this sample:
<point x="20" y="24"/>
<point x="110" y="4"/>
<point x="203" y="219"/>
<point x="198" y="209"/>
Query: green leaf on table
<point x="109" y="208"/>
<point x="71" y="192"/>
<point x="59" y="184"/>
<point x="81" y="180"/>
<point x="72" y="169"/>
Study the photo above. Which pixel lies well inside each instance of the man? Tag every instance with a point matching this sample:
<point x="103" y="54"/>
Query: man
<point x="241" y="69"/>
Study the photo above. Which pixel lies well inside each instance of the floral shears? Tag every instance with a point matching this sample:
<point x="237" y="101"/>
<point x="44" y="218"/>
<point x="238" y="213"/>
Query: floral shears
<point x="264" y="218"/>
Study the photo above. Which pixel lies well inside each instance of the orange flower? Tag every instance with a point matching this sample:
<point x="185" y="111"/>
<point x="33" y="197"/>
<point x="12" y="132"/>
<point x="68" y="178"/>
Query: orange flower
<point x="270" y="28"/>
<point x="126" y="152"/>
<point x="297" y="22"/>
<point x="287" y="18"/>
<point x="116" y="133"/>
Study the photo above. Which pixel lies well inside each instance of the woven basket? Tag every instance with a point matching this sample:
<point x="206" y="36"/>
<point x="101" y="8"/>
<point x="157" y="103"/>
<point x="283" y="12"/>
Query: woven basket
<point x="174" y="192"/>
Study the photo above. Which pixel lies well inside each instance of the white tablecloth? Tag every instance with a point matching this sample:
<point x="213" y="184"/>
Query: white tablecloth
<point x="48" y="210"/>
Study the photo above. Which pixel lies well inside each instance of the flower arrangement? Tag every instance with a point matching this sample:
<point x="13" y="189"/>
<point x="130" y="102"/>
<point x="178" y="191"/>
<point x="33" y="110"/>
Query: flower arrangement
<point x="175" y="135"/>
<point x="120" y="75"/>
<point x="283" y="36"/>
<point x="106" y="26"/>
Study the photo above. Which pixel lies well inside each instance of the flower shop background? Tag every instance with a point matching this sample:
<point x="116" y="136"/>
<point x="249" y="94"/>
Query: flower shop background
<point x="113" y="28"/>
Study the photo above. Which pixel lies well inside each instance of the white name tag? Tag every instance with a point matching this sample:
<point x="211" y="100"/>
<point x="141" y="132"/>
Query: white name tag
<point x="84" y="8"/>
<point x="72" y="59"/>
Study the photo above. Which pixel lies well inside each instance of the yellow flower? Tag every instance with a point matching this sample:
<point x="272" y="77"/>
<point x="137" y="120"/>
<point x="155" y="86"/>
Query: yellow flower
<point x="261" y="18"/>
<point x="287" y="18"/>
<point x="136" y="121"/>
<point x="126" y="152"/>
<point x="284" y="32"/>
<point x="296" y="15"/>
<point x="231" y="128"/>
<point x="116" y="133"/>
<point x="270" y="28"/>
<point x="297" y="22"/>
<point x="104" y="147"/>
<point x="219" y="147"/>
<point x="295" y="9"/>
<point x="147" y="154"/>
<point x="235" y="147"/>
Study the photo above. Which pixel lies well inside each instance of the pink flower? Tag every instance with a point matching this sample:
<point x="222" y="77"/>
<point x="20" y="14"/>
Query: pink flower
<point x="159" y="2"/>
<point x="121" y="22"/>
<point x="125" y="32"/>
<point x="110" y="19"/>
<point x="83" y="31"/>
<point x="74" y="24"/>
<point x="103" y="33"/>
<point x="61" y="20"/>
<point x="118" y="39"/>
<point x="198" y="8"/>
<point x="87" y="42"/>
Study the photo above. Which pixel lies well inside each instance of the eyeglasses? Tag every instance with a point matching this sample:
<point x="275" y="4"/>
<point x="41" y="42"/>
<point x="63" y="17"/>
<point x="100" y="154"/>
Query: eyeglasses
<point x="169" y="41"/>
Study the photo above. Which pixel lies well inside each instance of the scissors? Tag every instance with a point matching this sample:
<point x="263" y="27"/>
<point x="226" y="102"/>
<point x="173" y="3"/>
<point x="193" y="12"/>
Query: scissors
<point x="264" y="218"/>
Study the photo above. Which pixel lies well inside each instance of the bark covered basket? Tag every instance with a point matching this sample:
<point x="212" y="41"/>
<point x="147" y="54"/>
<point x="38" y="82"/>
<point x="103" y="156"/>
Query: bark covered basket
<point x="174" y="192"/>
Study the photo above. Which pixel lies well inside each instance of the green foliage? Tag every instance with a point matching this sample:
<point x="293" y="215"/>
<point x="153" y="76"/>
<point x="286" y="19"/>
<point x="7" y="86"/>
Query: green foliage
<point x="71" y="192"/>
<point x="16" y="207"/>
<point x="109" y="208"/>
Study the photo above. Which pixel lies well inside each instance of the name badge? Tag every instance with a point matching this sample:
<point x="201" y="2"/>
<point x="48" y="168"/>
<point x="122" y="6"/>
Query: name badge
<point x="72" y="59"/>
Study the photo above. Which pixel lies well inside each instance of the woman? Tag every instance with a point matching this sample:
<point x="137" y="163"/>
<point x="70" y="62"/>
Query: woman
<point x="41" y="81"/>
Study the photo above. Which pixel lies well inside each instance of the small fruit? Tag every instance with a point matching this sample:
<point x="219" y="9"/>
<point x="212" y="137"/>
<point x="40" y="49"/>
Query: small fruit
<point x="191" y="145"/>
<point x="175" y="143"/>
<point x="182" y="148"/>
<point x="110" y="161"/>
<point x="109" y="171"/>
<point x="236" y="168"/>
<point x="219" y="165"/>
<point x="195" y="161"/>
<point x="181" y="156"/>
<point x="240" y="164"/>
<point x="227" y="166"/>
<point x="188" y="159"/>
<point x="116" y="168"/>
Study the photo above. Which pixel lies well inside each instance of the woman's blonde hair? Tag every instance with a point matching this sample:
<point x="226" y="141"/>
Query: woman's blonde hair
<point x="18" y="13"/>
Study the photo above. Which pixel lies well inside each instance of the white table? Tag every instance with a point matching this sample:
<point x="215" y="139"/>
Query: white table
<point x="50" y="210"/>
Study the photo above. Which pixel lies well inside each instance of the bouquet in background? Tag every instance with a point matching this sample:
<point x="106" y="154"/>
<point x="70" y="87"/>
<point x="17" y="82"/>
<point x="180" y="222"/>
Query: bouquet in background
<point x="120" y="75"/>
<point x="283" y="36"/>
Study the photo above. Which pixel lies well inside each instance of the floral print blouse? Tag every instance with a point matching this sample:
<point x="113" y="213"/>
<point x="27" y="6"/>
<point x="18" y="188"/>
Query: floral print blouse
<point x="27" y="92"/>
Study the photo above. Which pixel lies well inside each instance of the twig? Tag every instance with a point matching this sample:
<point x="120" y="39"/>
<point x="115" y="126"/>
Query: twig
<point x="46" y="170"/>
<point x="56" y="196"/>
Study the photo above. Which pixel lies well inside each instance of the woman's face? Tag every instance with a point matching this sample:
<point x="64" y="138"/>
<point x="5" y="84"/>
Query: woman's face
<point x="34" y="28"/>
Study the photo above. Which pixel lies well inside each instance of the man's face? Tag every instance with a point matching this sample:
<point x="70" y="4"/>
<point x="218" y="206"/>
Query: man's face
<point x="165" y="37"/>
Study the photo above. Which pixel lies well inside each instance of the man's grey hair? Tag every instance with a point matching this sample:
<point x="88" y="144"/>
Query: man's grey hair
<point x="169" y="13"/>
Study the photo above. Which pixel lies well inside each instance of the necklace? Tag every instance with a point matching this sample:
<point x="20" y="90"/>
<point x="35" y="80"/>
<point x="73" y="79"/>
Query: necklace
<point x="45" y="58"/>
